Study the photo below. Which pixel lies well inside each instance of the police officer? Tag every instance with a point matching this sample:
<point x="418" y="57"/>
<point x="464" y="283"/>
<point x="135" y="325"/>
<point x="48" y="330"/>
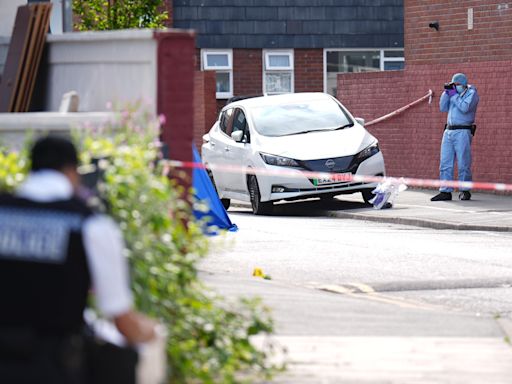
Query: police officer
<point x="460" y="100"/>
<point x="53" y="248"/>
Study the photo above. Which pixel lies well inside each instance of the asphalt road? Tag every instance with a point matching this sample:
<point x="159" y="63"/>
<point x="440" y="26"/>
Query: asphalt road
<point x="439" y="296"/>
<point x="460" y="270"/>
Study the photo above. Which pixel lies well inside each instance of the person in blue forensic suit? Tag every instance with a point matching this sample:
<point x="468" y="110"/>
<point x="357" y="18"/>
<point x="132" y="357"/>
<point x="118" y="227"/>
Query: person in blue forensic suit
<point x="53" y="248"/>
<point x="460" y="100"/>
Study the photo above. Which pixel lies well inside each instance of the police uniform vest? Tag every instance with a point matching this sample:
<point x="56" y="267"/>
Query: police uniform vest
<point x="44" y="277"/>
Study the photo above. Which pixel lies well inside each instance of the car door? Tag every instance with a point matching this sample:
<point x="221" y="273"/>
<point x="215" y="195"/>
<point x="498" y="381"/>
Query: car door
<point x="218" y="141"/>
<point x="237" y="153"/>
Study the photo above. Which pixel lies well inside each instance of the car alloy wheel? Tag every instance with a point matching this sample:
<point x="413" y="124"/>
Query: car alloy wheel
<point x="258" y="207"/>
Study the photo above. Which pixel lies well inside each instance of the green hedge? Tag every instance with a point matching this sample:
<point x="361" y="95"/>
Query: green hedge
<point x="208" y="336"/>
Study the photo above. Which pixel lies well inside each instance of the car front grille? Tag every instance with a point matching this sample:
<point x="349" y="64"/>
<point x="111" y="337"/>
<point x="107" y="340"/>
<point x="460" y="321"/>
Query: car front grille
<point x="341" y="165"/>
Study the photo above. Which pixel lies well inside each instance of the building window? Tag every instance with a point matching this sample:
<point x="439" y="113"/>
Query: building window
<point x="277" y="71"/>
<point x="343" y="61"/>
<point x="392" y="60"/>
<point x="220" y="61"/>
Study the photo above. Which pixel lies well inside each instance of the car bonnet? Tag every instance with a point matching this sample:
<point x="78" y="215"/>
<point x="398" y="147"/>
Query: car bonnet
<point x="317" y="145"/>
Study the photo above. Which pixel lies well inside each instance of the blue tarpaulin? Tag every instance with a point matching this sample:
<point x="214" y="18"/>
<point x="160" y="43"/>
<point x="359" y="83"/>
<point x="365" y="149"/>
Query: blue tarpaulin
<point x="208" y="206"/>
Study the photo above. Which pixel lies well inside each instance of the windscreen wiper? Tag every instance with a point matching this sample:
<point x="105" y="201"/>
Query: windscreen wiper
<point x="321" y="130"/>
<point x="345" y="126"/>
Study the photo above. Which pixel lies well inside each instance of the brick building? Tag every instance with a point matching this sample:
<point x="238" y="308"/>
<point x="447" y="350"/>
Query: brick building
<point x="474" y="37"/>
<point x="277" y="46"/>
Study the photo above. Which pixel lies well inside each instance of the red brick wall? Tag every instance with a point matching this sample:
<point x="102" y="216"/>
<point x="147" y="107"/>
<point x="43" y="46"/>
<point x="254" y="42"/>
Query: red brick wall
<point x="309" y="73"/>
<point x="175" y="93"/>
<point x="411" y="142"/>
<point x="205" y="106"/>
<point x="197" y="60"/>
<point x="490" y="38"/>
<point x="247" y="72"/>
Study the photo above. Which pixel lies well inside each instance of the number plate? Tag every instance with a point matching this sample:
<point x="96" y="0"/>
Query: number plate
<point x="332" y="178"/>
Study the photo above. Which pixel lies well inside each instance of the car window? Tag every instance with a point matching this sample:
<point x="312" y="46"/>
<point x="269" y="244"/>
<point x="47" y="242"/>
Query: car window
<point x="239" y="123"/>
<point x="225" y="118"/>
<point x="298" y="117"/>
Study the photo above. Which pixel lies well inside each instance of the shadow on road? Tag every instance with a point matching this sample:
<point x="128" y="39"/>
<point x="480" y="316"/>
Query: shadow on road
<point x="307" y="208"/>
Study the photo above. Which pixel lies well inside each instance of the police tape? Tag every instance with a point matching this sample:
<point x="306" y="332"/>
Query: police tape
<point x="428" y="96"/>
<point x="331" y="178"/>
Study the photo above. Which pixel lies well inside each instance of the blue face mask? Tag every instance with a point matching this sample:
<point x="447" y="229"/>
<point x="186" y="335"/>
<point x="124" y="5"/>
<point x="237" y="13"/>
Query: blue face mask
<point x="460" y="88"/>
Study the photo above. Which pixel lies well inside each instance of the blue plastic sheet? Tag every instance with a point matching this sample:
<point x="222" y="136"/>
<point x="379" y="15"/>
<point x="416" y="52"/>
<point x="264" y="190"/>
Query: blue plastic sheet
<point x="212" y="212"/>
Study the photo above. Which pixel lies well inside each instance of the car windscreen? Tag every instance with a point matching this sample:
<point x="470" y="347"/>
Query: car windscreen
<point x="299" y="117"/>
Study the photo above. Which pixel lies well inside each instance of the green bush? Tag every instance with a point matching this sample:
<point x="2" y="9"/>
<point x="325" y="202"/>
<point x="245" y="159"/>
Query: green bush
<point x="209" y="337"/>
<point x="13" y="168"/>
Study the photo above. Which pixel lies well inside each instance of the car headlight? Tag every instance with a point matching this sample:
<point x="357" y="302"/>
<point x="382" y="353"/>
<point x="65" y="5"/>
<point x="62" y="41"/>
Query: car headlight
<point x="279" y="160"/>
<point x="368" y="152"/>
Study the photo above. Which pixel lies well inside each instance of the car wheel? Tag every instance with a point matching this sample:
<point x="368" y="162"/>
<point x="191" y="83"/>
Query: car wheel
<point x="258" y="207"/>
<point x="367" y="195"/>
<point x="225" y="202"/>
<point x="327" y="198"/>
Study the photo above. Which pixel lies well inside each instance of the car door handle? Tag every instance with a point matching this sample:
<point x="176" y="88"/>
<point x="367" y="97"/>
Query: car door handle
<point x="212" y="144"/>
<point x="227" y="149"/>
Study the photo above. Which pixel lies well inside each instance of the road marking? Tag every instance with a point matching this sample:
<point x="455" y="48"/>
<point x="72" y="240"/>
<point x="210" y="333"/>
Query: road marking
<point x="364" y="288"/>
<point x="364" y="291"/>
<point x="334" y="289"/>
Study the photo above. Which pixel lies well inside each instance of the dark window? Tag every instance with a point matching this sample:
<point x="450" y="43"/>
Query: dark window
<point x="393" y="65"/>
<point x="224" y="120"/>
<point x="240" y="124"/>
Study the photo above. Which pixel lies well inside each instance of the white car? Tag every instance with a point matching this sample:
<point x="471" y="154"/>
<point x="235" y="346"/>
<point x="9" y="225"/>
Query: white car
<point x="269" y="148"/>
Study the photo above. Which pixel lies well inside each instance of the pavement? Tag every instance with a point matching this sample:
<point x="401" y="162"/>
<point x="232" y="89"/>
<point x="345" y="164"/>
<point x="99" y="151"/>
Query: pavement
<point x="484" y="212"/>
<point x="372" y="337"/>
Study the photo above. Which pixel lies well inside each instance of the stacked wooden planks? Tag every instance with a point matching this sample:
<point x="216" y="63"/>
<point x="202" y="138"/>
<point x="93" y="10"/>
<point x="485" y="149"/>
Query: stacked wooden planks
<point x="23" y="58"/>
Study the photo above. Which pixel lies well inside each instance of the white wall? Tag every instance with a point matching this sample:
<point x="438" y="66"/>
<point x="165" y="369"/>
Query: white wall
<point x="14" y="127"/>
<point x="8" y="10"/>
<point x="112" y="66"/>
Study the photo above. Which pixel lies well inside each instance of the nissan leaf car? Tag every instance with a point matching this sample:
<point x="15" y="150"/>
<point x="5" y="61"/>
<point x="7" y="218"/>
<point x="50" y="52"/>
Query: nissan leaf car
<point x="287" y="147"/>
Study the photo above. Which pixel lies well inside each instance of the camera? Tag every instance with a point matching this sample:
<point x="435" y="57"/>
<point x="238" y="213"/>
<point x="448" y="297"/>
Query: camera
<point x="449" y="86"/>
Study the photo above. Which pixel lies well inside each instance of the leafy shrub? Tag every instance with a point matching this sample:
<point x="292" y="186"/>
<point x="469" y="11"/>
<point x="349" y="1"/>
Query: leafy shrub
<point x="209" y="337"/>
<point x="13" y="168"/>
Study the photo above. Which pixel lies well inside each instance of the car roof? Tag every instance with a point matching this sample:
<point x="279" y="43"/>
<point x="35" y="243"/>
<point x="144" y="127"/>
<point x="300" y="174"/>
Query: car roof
<point x="280" y="99"/>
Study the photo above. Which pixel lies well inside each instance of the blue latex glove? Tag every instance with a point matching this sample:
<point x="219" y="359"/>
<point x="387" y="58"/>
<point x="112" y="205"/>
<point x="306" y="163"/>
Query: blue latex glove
<point x="451" y="92"/>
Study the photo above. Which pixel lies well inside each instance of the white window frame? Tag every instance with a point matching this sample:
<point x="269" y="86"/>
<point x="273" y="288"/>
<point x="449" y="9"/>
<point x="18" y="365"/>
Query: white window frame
<point x="222" y="69"/>
<point x="267" y="68"/>
<point x="383" y="59"/>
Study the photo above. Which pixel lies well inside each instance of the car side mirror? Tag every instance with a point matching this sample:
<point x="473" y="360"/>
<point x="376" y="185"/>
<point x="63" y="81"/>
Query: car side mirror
<point x="237" y="136"/>
<point x="360" y="120"/>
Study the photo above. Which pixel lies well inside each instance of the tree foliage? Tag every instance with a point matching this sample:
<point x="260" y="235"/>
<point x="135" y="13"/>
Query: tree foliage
<point x="99" y="15"/>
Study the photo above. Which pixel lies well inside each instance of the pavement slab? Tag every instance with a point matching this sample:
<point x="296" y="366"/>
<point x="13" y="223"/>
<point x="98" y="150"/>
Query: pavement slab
<point x="337" y="338"/>
<point x="484" y="212"/>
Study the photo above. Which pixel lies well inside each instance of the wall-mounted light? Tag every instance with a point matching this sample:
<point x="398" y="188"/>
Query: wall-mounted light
<point x="435" y="25"/>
